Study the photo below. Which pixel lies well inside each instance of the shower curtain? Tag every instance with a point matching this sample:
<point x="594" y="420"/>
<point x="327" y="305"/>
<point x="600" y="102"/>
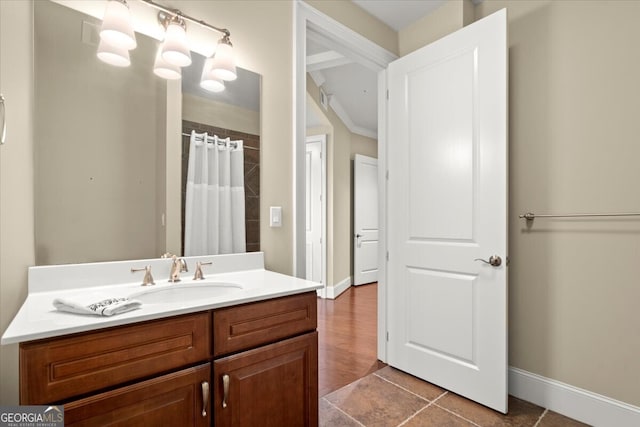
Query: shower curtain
<point x="214" y="208"/>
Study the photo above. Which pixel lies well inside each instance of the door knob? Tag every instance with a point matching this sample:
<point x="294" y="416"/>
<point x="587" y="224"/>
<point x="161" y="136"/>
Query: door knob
<point x="494" y="260"/>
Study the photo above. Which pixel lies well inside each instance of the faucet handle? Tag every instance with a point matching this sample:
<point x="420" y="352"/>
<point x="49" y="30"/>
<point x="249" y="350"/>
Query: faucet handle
<point x="148" y="278"/>
<point x="198" y="274"/>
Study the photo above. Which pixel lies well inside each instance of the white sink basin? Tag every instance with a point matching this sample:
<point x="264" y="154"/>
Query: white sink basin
<point x="177" y="292"/>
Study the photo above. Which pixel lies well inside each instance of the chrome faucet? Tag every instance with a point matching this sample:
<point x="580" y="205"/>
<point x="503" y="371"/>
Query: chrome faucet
<point x="178" y="265"/>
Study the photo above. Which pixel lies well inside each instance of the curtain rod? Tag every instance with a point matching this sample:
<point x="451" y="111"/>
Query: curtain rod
<point x="529" y="216"/>
<point x="244" y="146"/>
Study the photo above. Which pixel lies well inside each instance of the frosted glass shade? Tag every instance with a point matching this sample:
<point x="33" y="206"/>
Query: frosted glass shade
<point x="208" y="81"/>
<point x="162" y="68"/>
<point x="117" y="28"/>
<point x="113" y="55"/>
<point x="175" y="49"/>
<point x="224" y="62"/>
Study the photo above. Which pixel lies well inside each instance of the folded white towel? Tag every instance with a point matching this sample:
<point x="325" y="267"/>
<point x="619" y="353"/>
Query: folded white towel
<point x="96" y="306"/>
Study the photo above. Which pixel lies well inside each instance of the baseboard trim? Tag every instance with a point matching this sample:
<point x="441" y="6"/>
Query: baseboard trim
<point x="334" y="291"/>
<point x="570" y="401"/>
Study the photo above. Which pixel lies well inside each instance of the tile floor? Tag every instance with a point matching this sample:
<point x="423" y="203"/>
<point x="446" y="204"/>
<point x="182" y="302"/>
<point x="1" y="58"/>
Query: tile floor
<point x="389" y="397"/>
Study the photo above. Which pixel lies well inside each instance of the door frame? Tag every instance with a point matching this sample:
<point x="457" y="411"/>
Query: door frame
<point x="322" y="139"/>
<point x="365" y="52"/>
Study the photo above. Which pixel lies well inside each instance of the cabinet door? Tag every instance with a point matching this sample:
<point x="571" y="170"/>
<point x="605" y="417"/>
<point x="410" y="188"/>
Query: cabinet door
<point x="177" y="399"/>
<point x="274" y="385"/>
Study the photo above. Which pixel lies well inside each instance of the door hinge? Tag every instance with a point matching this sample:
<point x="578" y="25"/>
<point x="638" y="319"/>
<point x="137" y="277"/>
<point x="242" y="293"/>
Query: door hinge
<point x="386" y="175"/>
<point x="387" y="94"/>
<point x="387" y="255"/>
<point x="387" y="335"/>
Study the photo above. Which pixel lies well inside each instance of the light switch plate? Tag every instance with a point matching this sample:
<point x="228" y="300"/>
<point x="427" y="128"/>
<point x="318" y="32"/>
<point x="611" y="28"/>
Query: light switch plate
<point x="275" y="216"/>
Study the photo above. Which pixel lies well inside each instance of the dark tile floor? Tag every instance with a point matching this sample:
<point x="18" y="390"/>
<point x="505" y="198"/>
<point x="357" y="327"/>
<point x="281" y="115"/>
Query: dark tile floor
<point x="389" y="397"/>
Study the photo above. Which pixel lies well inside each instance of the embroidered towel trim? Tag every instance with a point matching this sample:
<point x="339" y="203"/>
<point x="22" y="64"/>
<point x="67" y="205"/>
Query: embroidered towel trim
<point x="104" y="307"/>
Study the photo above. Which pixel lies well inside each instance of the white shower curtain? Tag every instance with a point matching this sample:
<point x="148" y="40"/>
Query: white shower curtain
<point x="214" y="208"/>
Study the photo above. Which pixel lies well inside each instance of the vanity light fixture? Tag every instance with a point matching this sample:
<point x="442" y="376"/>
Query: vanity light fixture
<point x="112" y="54"/>
<point x="117" y="38"/>
<point x="222" y="66"/>
<point x="175" y="48"/>
<point x="117" y="29"/>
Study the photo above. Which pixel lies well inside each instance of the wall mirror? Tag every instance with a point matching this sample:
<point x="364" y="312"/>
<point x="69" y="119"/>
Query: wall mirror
<point x="101" y="182"/>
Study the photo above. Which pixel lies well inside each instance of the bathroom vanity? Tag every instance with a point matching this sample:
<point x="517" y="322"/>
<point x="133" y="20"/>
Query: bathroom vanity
<point x="247" y="357"/>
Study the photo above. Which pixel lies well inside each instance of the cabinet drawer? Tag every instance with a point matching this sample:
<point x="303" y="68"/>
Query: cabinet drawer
<point x="175" y="399"/>
<point x="242" y="327"/>
<point x="58" y="369"/>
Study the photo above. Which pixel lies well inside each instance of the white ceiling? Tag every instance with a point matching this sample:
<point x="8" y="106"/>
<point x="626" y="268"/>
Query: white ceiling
<point x="352" y="88"/>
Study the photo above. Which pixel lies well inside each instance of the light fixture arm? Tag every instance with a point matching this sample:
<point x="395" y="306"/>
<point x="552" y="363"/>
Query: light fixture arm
<point x="175" y="12"/>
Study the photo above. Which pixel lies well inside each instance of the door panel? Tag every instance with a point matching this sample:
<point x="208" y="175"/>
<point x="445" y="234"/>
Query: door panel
<point x="442" y="171"/>
<point x="447" y="204"/>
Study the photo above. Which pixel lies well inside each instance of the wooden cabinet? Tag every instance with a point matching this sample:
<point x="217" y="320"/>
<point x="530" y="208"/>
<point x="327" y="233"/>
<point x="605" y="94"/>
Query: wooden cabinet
<point x="177" y="399"/>
<point x="273" y="385"/>
<point x="158" y="372"/>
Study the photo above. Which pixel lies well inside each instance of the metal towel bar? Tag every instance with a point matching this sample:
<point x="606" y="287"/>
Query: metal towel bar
<point x="530" y="215"/>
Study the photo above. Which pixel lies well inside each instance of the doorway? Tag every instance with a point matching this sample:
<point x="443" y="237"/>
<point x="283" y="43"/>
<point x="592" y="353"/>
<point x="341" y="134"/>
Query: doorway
<point x="309" y="22"/>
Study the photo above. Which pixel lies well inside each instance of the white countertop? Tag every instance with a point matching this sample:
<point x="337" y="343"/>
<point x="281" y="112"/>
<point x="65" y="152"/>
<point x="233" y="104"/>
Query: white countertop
<point x="39" y="319"/>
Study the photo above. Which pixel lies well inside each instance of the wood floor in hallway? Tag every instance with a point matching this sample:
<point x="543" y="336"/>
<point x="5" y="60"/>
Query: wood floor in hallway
<point x="347" y="328"/>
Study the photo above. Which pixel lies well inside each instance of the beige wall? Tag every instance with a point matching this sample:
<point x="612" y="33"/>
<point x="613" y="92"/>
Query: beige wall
<point x="363" y="145"/>
<point x="574" y="103"/>
<point x="97" y="133"/>
<point x="227" y="116"/>
<point x="16" y="178"/>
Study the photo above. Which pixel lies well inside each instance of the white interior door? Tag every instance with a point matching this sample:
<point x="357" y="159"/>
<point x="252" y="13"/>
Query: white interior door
<point x="447" y="206"/>
<point x="365" y="219"/>
<point x="314" y="211"/>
